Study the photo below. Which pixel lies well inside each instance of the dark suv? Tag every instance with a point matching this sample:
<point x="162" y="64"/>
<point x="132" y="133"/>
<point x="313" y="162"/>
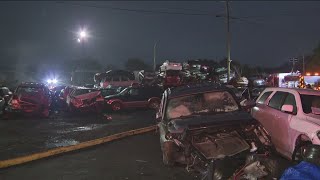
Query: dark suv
<point x="135" y="97"/>
<point x="30" y="98"/>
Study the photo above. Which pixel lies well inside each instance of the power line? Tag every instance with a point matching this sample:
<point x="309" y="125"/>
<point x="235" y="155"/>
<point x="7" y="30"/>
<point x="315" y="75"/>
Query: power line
<point x="135" y="10"/>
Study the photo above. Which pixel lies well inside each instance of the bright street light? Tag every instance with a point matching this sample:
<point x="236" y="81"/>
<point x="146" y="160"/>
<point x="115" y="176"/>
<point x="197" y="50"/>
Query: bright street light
<point x="82" y="35"/>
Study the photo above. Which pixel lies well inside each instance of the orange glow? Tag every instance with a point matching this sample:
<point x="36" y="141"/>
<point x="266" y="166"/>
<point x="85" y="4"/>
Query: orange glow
<point x="316" y="74"/>
<point x="308" y="74"/>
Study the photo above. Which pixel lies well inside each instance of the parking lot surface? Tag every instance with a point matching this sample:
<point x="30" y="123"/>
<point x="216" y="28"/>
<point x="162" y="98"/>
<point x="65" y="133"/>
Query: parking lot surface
<point x="137" y="157"/>
<point x="25" y="135"/>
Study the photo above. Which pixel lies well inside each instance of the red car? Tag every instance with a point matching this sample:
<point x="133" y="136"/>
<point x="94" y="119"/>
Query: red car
<point x="30" y="98"/>
<point x="85" y="99"/>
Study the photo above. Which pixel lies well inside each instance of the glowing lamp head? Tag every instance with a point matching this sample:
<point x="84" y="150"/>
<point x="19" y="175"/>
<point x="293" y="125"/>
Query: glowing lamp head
<point x="83" y="34"/>
<point x="54" y="81"/>
<point x="316" y="74"/>
<point x="49" y="81"/>
<point x="308" y="74"/>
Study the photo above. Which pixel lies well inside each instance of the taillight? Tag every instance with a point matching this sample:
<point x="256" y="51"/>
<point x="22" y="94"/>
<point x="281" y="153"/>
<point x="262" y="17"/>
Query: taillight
<point x="77" y="101"/>
<point x="15" y="103"/>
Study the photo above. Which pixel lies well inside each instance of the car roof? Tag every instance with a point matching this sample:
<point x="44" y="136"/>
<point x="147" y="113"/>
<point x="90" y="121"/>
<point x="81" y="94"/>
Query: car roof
<point x="300" y="91"/>
<point x="196" y="88"/>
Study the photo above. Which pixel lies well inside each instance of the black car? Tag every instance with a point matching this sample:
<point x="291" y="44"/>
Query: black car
<point x="202" y="125"/>
<point x="135" y="97"/>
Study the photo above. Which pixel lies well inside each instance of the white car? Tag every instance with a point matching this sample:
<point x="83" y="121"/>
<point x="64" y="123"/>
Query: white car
<point x="291" y="117"/>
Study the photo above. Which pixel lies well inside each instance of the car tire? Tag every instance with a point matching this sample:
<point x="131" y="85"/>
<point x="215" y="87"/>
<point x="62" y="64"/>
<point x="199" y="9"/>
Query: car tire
<point x="116" y="106"/>
<point x="297" y="153"/>
<point x="154" y="104"/>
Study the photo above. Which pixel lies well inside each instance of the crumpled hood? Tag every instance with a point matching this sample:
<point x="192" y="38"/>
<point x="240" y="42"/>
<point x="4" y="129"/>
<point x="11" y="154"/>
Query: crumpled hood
<point x="237" y="117"/>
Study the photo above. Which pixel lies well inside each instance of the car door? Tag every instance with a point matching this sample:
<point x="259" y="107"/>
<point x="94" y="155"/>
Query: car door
<point x="273" y="116"/>
<point x="259" y="111"/>
<point x="281" y="125"/>
<point x="134" y="98"/>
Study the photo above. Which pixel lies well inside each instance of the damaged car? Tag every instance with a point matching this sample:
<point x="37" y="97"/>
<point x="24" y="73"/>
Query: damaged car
<point x="30" y="98"/>
<point x="203" y="127"/>
<point x="85" y="100"/>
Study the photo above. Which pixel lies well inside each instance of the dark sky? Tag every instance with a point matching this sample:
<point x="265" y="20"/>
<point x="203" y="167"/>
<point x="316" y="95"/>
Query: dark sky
<point x="267" y="33"/>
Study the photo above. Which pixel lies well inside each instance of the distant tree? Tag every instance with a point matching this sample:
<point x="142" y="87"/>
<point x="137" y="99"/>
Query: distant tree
<point x="133" y="64"/>
<point x="314" y="62"/>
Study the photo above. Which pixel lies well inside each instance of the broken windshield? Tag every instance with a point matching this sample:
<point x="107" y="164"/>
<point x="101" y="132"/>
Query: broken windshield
<point x="202" y="103"/>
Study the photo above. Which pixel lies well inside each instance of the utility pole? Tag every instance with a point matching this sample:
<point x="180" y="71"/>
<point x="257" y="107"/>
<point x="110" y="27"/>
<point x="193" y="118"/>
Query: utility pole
<point x="293" y="60"/>
<point x="228" y="39"/>
<point x="303" y="65"/>
<point x="154" y="56"/>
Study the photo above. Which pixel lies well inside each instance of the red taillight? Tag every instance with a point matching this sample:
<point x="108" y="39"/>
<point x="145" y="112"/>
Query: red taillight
<point x="77" y="102"/>
<point x="15" y="103"/>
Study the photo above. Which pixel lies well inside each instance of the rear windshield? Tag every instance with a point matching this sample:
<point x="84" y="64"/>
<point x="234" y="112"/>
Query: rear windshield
<point x="28" y="90"/>
<point x="172" y="73"/>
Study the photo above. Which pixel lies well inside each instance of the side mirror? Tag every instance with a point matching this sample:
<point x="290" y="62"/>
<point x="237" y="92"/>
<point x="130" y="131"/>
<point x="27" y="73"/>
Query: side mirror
<point x="288" y="108"/>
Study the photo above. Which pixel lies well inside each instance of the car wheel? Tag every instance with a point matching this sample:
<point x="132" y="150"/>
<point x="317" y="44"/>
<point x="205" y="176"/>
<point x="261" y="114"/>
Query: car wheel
<point x="154" y="104"/>
<point x="116" y="106"/>
<point x="297" y="154"/>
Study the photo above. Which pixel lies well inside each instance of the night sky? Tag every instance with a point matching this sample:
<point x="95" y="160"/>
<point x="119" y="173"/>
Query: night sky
<point x="263" y="33"/>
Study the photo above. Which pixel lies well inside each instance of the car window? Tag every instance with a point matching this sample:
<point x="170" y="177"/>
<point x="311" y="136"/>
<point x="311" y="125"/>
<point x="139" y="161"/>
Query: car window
<point x="116" y="78"/>
<point x="290" y="100"/>
<point x="107" y="79"/>
<point x="134" y="92"/>
<point x="263" y="97"/>
<point x="277" y="100"/>
<point x="310" y="104"/>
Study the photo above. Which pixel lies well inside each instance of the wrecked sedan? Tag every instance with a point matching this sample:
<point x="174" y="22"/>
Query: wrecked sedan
<point x="201" y="125"/>
<point x="30" y="98"/>
<point x="85" y="100"/>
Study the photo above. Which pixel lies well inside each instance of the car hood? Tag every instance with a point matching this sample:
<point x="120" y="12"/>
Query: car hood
<point x="238" y="117"/>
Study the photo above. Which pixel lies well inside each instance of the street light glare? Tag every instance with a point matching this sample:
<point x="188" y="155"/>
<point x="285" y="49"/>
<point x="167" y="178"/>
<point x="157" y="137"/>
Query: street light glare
<point x="83" y="34"/>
